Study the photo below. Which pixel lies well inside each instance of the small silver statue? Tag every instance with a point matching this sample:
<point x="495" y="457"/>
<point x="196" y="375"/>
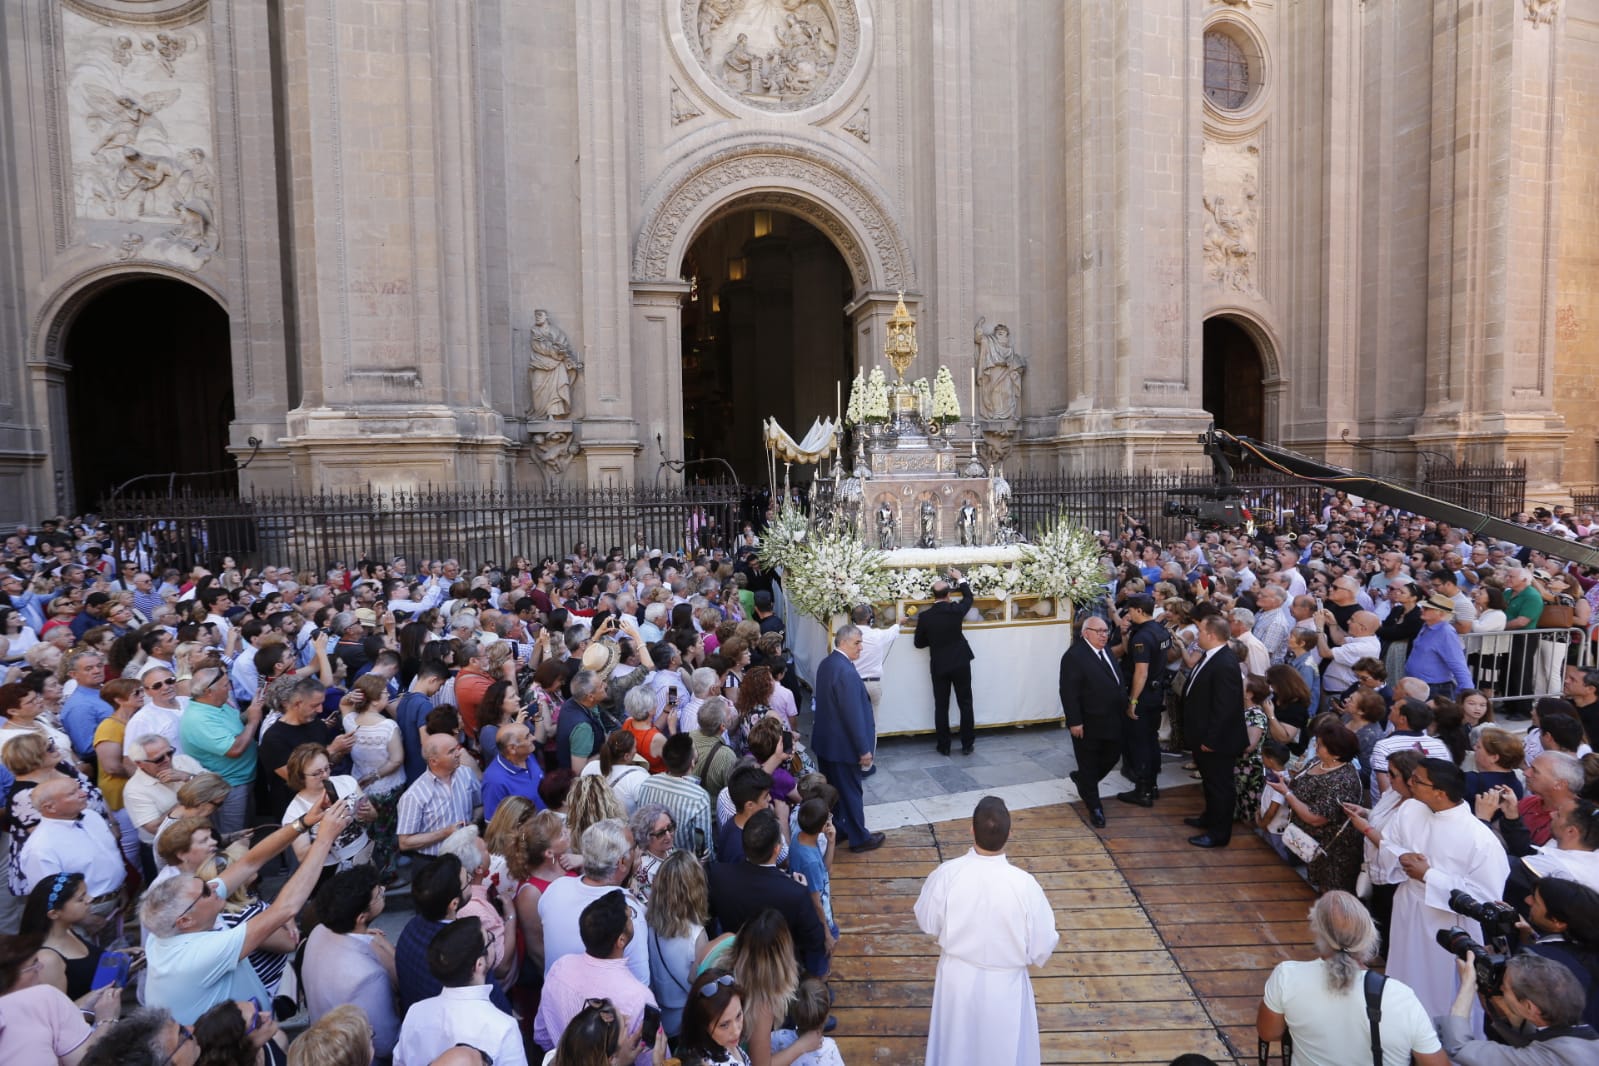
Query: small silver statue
<point x="929" y="521"/>
<point x="885" y="527"/>
<point x="966" y="523"/>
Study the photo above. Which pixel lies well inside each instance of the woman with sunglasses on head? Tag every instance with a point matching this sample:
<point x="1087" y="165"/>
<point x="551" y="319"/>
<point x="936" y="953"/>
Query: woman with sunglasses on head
<point x="713" y="1022"/>
<point x="594" y="1037"/>
<point x="238" y="1033"/>
<point x="38" y="1023"/>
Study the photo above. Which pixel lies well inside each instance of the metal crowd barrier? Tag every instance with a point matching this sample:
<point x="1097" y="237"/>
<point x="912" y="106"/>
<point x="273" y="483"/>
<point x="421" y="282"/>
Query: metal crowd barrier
<point x="1521" y="665"/>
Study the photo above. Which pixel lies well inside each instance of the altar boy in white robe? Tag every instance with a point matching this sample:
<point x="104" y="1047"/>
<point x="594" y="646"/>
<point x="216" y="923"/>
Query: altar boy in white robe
<point x="992" y="922"/>
<point x="1441" y="849"/>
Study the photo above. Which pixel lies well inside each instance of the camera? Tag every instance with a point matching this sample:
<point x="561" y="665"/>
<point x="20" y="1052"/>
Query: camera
<point x="1209" y="514"/>
<point x="1498" y="921"/>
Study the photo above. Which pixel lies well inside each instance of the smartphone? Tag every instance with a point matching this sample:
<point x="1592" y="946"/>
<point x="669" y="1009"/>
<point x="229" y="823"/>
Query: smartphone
<point x="332" y="793"/>
<point x="671" y="697"/>
<point x="788" y="741"/>
<point x="649" y="1026"/>
<point x="111" y="970"/>
<point x="1273" y="775"/>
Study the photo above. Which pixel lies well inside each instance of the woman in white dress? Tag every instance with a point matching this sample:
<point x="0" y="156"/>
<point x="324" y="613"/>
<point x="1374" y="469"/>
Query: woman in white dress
<point x="377" y="763"/>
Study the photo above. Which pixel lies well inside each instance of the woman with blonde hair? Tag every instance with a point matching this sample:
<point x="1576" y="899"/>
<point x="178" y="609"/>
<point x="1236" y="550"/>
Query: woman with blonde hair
<point x="765" y="967"/>
<point x="341" y="1037"/>
<point x="678" y="907"/>
<point x="591" y="800"/>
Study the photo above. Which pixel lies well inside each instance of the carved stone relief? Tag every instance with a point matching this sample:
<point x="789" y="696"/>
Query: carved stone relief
<point x="554" y="447"/>
<point x="777" y="55"/>
<point x="683" y="108"/>
<point x="140" y="131"/>
<point x="1542" y="11"/>
<point x="860" y="124"/>
<point x="793" y="166"/>
<point x="1232" y="214"/>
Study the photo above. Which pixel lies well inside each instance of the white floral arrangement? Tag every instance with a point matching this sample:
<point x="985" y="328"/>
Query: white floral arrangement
<point x="857" y="398"/>
<point x="924" y="396"/>
<point x="1064" y="564"/>
<point x="946" y="404"/>
<point x="874" y="405"/>
<point x="827" y="571"/>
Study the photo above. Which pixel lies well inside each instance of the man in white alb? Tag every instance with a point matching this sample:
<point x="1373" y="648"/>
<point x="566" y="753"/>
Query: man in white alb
<point x="992" y="922"/>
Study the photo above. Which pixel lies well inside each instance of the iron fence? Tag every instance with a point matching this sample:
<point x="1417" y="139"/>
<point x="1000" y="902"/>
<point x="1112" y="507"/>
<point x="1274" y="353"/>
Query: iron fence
<point x="475" y="526"/>
<point x="1498" y="489"/>
<point x="1114" y="501"/>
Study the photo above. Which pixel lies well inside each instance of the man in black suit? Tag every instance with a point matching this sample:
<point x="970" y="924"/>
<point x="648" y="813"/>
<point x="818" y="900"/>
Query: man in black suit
<point x="741" y="890"/>
<point x="1213" y="724"/>
<point x="949" y="657"/>
<point x="1094" y="701"/>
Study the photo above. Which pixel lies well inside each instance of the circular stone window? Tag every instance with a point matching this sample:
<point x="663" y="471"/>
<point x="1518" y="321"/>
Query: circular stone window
<point x="776" y="55"/>
<point x="1232" y="68"/>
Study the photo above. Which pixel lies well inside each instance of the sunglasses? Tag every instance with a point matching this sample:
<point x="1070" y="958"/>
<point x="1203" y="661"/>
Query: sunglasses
<point x="168" y="683"/>
<point x="165" y="756"/>
<point x="205" y="893"/>
<point x="185" y="1034"/>
<point x="710" y="988"/>
<point x="260" y="1013"/>
<point x="656" y="834"/>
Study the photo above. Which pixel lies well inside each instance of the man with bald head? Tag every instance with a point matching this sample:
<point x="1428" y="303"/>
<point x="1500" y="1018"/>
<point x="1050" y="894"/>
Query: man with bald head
<point x="442" y="800"/>
<point x="70" y="839"/>
<point x="1345" y="648"/>
<point x="513" y="772"/>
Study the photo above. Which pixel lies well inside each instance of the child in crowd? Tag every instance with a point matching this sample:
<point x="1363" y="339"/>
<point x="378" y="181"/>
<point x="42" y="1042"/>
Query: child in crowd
<point x="805" y="858"/>
<point x="1273" y="816"/>
<point x="809" y="1013"/>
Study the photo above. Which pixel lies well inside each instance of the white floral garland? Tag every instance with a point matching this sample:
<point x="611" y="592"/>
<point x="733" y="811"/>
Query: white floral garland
<point x="827" y="571"/>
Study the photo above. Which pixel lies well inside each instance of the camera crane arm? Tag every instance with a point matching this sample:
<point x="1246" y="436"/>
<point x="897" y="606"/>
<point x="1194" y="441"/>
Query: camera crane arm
<point x="1219" y="442"/>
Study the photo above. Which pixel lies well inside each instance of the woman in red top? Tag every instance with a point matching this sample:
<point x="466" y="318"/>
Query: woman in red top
<point x="640" y="704"/>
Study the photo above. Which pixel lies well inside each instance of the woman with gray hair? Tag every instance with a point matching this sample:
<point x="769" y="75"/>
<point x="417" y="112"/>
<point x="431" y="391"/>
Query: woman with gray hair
<point x="653" y="827"/>
<point x="1322" y="1003"/>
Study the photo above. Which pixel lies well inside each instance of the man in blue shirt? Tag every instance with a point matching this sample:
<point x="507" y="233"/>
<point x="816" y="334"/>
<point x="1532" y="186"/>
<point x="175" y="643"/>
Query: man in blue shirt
<point x="411" y="714"/>
<point x="1436" y="656"/>
<point x="512" y="773"/>
<point x="84" y="710"/>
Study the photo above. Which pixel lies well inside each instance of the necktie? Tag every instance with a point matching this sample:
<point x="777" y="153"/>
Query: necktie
<point x="1105" y="658"/>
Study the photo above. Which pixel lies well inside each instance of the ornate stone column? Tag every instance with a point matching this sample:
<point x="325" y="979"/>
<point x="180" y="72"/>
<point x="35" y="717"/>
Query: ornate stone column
<point x="381" y="114"/>
<point x="1498" y="99"/>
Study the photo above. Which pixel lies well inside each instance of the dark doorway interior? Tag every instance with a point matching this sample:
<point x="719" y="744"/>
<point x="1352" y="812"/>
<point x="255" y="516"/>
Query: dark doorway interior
<point x="150" y="390"/>
<point x="764" y="335"/>
<point x="1234" y="389"/>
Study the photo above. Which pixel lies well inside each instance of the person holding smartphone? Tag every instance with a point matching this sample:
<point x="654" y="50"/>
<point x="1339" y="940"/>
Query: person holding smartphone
<point x="309" y="774"/>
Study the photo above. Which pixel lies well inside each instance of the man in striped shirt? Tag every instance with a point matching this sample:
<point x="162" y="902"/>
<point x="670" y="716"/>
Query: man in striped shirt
<point x="440" y="801"/>
<point x="683" y="798"/>
<point x="1410" y="720"/>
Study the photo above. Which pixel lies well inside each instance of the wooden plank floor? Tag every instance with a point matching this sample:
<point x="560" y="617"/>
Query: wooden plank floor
<point x="1164" y="948"/>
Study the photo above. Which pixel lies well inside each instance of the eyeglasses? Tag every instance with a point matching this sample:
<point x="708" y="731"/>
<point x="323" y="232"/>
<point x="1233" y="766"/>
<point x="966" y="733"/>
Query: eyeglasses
<point x="168" y="683"/>
<point x="163" y="757"/>
<point x="205" y="893"/>
<point x="656" y="834"/>
<point x="710" y="988"/>
<point x="255" y="1022"/>
<point x="185" y="1034"/>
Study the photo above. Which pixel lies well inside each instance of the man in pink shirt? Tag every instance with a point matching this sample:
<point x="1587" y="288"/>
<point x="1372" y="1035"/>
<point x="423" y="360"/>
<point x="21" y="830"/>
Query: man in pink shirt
<point x="600" y="972"/>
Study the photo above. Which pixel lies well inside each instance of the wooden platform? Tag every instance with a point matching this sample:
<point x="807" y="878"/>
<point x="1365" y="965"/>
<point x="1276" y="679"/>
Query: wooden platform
<point x="1164" y="947"/>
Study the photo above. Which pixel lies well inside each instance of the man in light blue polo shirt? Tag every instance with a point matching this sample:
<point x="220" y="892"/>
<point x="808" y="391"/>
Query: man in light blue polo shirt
<point x="221" y="741"/>
<point x="84" y="710"/>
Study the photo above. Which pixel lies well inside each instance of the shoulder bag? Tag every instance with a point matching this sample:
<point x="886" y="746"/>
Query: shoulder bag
<point x="1373" y="989"/>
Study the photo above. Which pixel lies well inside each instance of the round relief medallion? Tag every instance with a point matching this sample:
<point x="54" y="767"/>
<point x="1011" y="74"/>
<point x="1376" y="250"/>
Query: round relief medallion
<point x="776" y="55"/>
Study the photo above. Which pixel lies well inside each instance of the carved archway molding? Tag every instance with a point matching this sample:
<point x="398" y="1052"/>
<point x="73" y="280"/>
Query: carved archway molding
<point x="800" y="180"/>
<point x="56" y="316"/>
<point x="150" y="13"/>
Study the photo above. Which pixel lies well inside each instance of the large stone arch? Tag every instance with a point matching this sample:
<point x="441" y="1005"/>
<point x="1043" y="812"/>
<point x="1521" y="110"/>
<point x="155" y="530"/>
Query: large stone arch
<point x="822" y="188"/>
<point x="1274" y="383"/>
<point x="56" y="314"/>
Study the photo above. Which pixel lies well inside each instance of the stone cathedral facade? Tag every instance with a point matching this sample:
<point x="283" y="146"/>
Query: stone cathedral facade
<point x="514" y="242"/>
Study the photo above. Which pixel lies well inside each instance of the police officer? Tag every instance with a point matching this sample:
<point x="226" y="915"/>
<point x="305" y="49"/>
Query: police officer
<point x="1147" y="643"/>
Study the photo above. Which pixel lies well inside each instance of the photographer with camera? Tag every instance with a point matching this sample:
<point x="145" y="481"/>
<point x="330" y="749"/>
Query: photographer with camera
<point x="1539" y="992"/>
<point x="1564" y="917"/>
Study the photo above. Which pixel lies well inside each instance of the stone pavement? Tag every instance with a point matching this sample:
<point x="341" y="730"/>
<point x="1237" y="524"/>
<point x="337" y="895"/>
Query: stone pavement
<point x="1026" y="766"/>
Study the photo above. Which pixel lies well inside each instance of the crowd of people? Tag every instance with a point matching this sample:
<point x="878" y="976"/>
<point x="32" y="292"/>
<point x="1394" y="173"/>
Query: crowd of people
<point x="584" y="774"/>
<point x="1405" y="710"/>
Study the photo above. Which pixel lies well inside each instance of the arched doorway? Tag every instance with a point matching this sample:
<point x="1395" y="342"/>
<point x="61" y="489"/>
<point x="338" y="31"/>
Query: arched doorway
<point x="764" y="334"/>
<point x="150" y="388"/>
<point x="1234" y="378"/>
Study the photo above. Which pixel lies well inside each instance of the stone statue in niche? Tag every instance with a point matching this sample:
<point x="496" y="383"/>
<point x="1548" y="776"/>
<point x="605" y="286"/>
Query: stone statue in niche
<point x="554" y="451"/>
<point x="929" y="525"/>
<point x="966" y="523"/>
<point x="1000" y="369"/>
<point x="885" y="527"/>
<point x="552" y="370"/>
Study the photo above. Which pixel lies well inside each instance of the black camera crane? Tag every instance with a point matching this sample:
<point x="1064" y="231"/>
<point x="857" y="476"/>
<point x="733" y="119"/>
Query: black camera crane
<point x="1219" y="444"/>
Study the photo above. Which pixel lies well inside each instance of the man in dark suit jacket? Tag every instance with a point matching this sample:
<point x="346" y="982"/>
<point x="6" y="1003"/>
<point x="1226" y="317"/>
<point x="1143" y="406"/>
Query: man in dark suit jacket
<point x="844" y="736"/>
<point x="949" y="657"/>
<point x="741" y="890"/>
<point x="1213" y="725"/>
<point x="1094" y="701"/>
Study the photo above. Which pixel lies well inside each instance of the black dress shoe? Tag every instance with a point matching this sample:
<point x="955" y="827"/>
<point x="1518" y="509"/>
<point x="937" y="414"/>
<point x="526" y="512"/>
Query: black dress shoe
<point x="1204" y="840"/>
<point x="872" y="843"/>
<point x="869" y="771"/>
<point x="967" y="749"/>
<point x="1197" y="823"/>
<point x="1075" y="781"/>
<point x="1140" y="799"/>
<point x="943" y="749"/>
<point x="1096" y="818"/>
